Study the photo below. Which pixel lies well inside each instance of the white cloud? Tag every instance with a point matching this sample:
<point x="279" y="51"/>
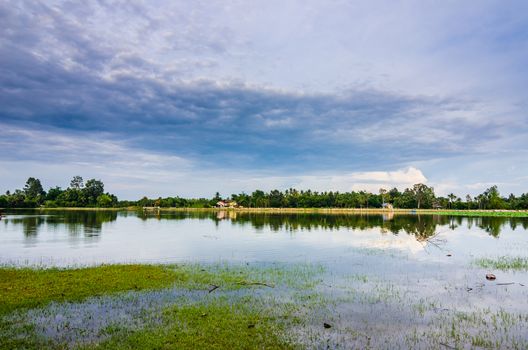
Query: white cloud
<point x="440" y="52"/>
<point x="371" y="181"/>
<point x="131" y="173"/>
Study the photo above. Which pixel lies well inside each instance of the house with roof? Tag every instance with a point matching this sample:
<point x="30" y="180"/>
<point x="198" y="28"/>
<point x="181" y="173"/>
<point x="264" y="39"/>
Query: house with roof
<point x="227" y="204"/>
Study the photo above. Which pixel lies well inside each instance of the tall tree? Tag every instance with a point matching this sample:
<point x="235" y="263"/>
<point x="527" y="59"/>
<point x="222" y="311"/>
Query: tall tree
<point x="423" y="194"/>
<point x="493" y="198"/>
<point x="93" y="189"/>
<point x="452" y="197"/>
<point x="468" y="201"/>
<point x="382" y="193"/>
<point x="33" y="188"/>
<point x="76" y="182"/>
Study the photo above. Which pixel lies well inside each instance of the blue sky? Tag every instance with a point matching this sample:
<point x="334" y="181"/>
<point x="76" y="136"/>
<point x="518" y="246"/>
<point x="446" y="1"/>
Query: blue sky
<point x="187" y="98"/>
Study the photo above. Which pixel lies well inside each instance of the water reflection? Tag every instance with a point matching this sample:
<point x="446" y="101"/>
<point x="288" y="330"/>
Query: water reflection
<point x="87" y="223"/>
<point x="420" y="226"/>
<point x="80" y="236"/>
<point x="90" y="223"/>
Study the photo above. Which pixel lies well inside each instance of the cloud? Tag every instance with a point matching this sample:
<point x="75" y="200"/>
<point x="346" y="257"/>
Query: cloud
<point x="132" y="172"/>
<point x="80" y="148"/>
<point x="242" y="125"/>
<point x="56" y="158"/>
<point x="340" y="89"/>
<point x="359" y="181"/>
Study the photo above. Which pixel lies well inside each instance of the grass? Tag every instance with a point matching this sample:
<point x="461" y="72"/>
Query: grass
<point x="494" y="213"/>
<point x="216" y="325"/>
<point x="29" y="288"/>
<point x="352" y="211"/>
<point x="504" y="263"/>
<point x="240" y="314"/>
<point x="232" y="277"/>
<point x="233" y="315"/>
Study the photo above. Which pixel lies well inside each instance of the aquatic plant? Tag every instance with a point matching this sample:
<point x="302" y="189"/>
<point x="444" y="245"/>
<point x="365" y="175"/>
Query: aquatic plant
<point x="504" y="263"/>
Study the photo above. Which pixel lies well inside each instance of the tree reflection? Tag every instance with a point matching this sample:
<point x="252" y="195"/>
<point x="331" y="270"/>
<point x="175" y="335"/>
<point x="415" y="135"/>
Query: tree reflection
<point x="423" y="227"/>
<point x="76" y="222"/>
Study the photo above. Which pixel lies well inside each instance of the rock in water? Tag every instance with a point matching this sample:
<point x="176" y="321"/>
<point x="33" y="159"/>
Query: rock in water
<point x="490" y="277"/>
<point x="326" y="325"/>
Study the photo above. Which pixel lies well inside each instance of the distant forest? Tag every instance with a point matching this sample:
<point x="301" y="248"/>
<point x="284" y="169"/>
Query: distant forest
<point x="91" y="194"/>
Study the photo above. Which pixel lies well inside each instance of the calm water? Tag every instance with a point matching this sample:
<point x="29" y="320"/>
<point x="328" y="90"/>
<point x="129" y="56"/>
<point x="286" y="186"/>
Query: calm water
<point x="390" y="282"/>
<point x="88" y="237"/>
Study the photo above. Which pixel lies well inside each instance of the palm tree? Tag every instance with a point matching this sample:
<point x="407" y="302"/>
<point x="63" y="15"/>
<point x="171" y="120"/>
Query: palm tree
<point x="452" y="197"/>
<point x="382" y="193"/>
<point x="468" y="201"/>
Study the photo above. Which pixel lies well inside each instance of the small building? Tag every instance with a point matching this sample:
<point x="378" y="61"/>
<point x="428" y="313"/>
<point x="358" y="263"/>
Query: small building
<point x="387" y="206"/>
<point x="226" y="204"/>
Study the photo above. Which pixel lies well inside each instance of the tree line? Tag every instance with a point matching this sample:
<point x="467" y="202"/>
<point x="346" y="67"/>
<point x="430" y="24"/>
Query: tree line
<point x="78" y="194"/>
<point x="91" y="194"/>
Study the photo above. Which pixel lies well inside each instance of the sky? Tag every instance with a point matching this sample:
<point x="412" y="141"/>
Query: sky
<point x="166" y="98"/>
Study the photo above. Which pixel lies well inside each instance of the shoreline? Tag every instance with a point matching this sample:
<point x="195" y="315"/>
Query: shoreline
<point x="324" y="211"/>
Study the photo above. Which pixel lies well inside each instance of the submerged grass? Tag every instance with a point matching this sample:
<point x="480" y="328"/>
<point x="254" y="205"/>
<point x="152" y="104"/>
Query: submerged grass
<point x="145" y="306"/>
<point x="272" y="306"/>
<point x="234" y="276"/>
<point x="504" y="263"/>
<point x="28" y="288"/>
<point x="219" y="324"/>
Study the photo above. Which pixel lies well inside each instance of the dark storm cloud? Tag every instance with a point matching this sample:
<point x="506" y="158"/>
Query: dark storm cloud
<point x="226" y="122"/>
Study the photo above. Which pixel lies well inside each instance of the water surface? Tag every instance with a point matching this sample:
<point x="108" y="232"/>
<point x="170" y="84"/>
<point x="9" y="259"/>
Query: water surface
<point x="390" y="281"/>
<point x="90" y="237"/>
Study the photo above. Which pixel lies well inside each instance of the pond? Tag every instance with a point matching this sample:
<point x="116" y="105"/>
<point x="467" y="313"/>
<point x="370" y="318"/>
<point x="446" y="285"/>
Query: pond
<point x="79" y="237"/>
<point x="390" y="280"/>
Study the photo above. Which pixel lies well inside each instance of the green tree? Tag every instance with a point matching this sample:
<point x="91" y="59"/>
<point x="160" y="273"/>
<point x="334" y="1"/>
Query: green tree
<point x="394" y="194"/>
<point x="423" y="195"/>
<point x="92" y="190"/>
<point x="382" y="193"/>
<point x="258" y="198"/>
<point x="452" y="197"/>
<point x="4" y="203"/>
<point x="33" y="188"/>
<point x="53" y="193"/>
<point x="104" y="201"/>
<point x="276" y="199"/>
<point x="493" y="198"/>
<point x="407" y="199"/>
<point x="76" y="182"/>
<point x="468" y="201"/>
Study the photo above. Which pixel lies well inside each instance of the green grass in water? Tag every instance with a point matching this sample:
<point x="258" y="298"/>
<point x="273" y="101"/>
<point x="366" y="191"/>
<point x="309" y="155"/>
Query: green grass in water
<point x="215" y="325"/>
<point x="522" y="214"/>
<point x="504" y="263"/>
<point x="28" y="288"/>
